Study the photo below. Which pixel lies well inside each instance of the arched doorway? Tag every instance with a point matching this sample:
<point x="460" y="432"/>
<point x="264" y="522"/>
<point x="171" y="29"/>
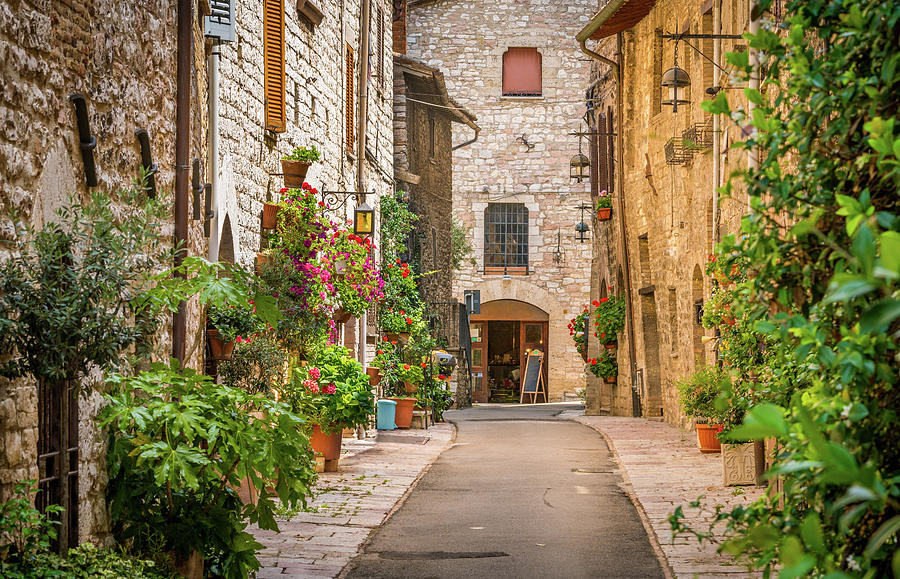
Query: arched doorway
<point x="501" y="334"/>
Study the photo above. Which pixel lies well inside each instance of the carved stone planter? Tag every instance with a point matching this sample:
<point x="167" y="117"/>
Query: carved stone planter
<point x="743" y="464"/>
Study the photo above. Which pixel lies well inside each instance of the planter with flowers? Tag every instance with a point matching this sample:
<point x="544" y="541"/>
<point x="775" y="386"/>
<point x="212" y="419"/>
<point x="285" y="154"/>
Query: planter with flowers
<point x="401" y="378"/>
<point x="604" y="206"/>
<point x="609" y="318"/>
<point x="397" y="325"/>
<point x="697" y="395"/>
<point x="578" y="331"/>
<point x="332" y="393"/>
<point x="604" y="367"/>
<point x="227" y="325"/>
<point x="295" y="165"/>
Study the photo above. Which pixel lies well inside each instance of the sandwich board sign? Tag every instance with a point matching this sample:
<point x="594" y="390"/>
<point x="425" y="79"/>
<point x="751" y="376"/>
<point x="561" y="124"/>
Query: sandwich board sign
<point x="533" y="378"/>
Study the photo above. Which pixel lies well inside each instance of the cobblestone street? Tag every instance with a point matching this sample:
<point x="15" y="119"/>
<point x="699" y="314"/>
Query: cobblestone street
<point x="374" y="476"/>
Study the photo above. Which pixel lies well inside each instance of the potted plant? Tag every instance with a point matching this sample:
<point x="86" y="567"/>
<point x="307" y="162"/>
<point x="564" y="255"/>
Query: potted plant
<point x="604" y="206"/>
<point x="604" y="367"/>
<point x="578" y="331"/>
<point x="697" y="395"/>
<point x="609" y="318"/>
<point x="332" y="392"/>
<point x="295" y="165"/>
<point x="226" y="325"/>
<point x="388" y="360"/>
<point x="397" y="325"/>
<point x="411" y="375"/>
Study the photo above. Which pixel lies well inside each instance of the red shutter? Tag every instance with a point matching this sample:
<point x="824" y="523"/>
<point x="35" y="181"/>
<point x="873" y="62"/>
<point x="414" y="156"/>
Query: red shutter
<point x="273" y="62"/>
<point x="522" y="72"/>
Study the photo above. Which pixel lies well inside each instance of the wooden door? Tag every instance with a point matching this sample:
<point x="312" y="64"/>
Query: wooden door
<point x="480" y="390"/>
<point x="534" y="337"/>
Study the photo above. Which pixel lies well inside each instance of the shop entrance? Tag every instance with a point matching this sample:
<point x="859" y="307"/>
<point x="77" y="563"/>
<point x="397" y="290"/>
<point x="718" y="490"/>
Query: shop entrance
<point x="501" y="334"/>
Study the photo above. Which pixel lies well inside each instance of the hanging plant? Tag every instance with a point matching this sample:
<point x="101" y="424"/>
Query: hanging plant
<point x="609" y="318"/>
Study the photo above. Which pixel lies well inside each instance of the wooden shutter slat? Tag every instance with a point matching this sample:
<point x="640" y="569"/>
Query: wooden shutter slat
<point x="348" y="101"/>
<point x="273" y="62"/>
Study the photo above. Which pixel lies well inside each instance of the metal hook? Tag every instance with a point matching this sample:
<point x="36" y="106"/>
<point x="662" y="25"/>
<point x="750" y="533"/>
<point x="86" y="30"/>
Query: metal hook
<point x="86" y="141"/>
<point x="147" y="165"/>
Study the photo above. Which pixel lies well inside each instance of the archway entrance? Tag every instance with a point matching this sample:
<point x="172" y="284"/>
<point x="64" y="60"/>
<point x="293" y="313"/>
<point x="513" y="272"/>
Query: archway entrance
<point x="501" y="334"/>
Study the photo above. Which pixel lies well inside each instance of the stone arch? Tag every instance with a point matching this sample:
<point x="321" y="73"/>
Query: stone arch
<point x="697" y="303"/>
<point x="603" y="288"/>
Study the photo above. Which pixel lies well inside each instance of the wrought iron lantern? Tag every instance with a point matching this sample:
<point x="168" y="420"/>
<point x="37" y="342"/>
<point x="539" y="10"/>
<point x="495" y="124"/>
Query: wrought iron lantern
<point x="363" y="219"/>
<point x="676" y="78"/>
<point x="579" y="166"/>
<point x="582" y="228"/>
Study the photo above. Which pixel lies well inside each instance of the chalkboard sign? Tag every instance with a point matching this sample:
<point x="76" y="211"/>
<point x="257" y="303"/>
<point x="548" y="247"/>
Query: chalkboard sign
<point x="533" y="380"/>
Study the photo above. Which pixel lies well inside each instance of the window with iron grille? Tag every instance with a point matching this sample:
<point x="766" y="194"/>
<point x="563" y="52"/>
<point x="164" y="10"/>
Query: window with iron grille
<point x="506" y="239"/>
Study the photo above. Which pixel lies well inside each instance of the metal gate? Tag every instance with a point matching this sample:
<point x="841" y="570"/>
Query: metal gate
<point x="58" y="457"/>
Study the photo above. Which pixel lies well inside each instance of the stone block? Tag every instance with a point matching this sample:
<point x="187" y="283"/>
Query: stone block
<point x="742" y="464"/>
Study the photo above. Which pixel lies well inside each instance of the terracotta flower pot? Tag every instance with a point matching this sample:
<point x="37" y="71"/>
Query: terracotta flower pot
<point x="611" y="346"/>
<point x="707" y="437"/>
<point x="404" y="411"/>
<point x="410" y="387"/>
<point x="294" y="172"/>
<point x="402" y="337"/>
<point x="328" y="445"/>
<point x="610" y="379"/>
<point x="219" y="348"/>
<point x="374" y="374"/>
<point x="270" y="215"/>
<point x="604" y="214"/>
<point x="261" y="260"/>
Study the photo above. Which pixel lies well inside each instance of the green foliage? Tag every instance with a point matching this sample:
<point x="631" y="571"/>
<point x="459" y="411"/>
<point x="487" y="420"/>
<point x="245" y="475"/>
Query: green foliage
<point x="68" y="297"/>
<point x="698" y="392"/>
<point x="460" y="245"/>
<point x="308" y="154"/>
<point x="256" y="366"/>
<point x="609" y="318"/>
<point x="578" y="328"/>
<point x="823" y="291"/>
<point x="85" y="562"/>
<point x="179" y="444"/>
<point x="332" y="390"/>
<point x="25" y="531"/>
<point x="234" y="321"/>
<point x="604" y="365"/>
<point x="604" y="201"/>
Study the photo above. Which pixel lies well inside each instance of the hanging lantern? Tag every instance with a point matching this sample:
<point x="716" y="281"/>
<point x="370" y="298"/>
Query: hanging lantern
<point x="579" y="168"/>
<point x="363" y="219"/>
<point x="582" y="229"/>
<point x="674" y="79"/>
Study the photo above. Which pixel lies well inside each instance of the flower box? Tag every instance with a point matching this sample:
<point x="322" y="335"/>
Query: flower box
<point x="610" y="379"/>
<point x="270" y="215"/>
<point x="219" y="348"/>
<point x="402" y="337"/>
<point x="294" y="172"/>
<point x="604" y="214"/>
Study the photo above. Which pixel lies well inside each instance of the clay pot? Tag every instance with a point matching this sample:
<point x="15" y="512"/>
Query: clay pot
<point x="707" y="438"/>
<point x="611" y="346"/>
<point x="604" y="214"/>
<point x="374" y="374"/>
<point x="270" y="215"/>
<point x="294" y="172"/>
<point x="261" y="260"/>
<point x="410" y="387"/>
<point x="219" y="348"/>
<point x="610" y="379"/>
<point x="328" y="445"/>
<point x="402" y="337"/>
<point x="404" y="411"/>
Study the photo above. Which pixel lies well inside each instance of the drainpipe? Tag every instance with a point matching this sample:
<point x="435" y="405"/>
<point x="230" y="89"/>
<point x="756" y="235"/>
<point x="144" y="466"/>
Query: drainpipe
<point x="212" y="137"/>
<point x="753" y="156"/>
<point x="620" y="173"/>
<point x="717" y="139"/>
<point x="182" y="151"/>
<point x="469" y="142"/>
<point x="361" y="142"/>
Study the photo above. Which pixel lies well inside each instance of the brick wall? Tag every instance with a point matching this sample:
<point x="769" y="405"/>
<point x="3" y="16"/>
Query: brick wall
<point x="467" y="41"/>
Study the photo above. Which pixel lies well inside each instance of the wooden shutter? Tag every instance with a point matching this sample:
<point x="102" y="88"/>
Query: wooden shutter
<point x="348" y="102"/>
<point x="273" y="60"/>
<point x="381" y="72"/>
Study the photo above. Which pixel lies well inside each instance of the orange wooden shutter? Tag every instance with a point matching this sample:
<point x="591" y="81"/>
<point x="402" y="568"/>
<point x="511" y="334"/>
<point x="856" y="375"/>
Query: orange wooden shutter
<point x="522" y="72"/>
<point x="348" y="101"/>
<point x="273" y="59"/>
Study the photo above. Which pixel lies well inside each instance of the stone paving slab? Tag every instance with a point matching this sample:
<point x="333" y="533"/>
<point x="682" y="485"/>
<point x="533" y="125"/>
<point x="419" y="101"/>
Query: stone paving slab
<point x="663" y="469"/>
<point x="349" y="505"/>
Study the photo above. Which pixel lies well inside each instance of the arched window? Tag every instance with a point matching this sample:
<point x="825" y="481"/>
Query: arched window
<point x="521" y="72"/>
<point x="506" y="239"/>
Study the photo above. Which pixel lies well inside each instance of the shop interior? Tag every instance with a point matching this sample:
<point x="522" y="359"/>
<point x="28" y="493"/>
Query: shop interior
<point x="503" y="361"/>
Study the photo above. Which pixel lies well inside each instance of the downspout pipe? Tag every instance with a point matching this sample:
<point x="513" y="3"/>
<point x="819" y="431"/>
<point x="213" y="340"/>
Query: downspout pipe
<point x="184" y="56"/>
<point x="582" y="38"/>
<point x="469" y="142"/>
<point x="212" y="137"/>
<point x="361" y="119"/>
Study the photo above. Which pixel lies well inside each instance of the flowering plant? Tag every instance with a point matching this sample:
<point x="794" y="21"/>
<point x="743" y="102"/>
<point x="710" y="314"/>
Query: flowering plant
<point x="609" y="318"/>
<point x="578" y="328"/>
<point x="412" y="373"/>
<point x="332" y="391"/>
<point x="308" y="154"/>
<point x="357" y="281"/>
<point x="697" y="393"/>
<point x="604" y="201"/>
<point x="603" y="366"/>
<point x="400" y="321"/>
<point x="235" y="322"/>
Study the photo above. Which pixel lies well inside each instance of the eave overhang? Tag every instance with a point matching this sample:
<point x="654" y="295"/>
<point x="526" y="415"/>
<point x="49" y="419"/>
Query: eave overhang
<point x="616" y="16"/>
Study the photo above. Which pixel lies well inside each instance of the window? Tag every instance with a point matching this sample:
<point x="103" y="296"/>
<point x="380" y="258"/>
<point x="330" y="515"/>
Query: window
<point x="506" y="239"/>
<point x="273" y="62"/>
<point x="348" y="102"/>
<point x="522" y="72"/>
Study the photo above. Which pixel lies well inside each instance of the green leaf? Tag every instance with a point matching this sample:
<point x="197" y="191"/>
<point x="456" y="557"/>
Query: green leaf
<point x="763" y="421"/>
<point x="890" y="250"/>
<point x="764" y="536"/>
<point x="811" y="531"/>
<point x="885" y="532"/>
<point x="880" y="316"/>
<point x="841" y="292"/>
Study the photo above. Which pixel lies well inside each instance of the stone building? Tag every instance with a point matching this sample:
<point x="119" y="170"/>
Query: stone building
<point x="663" y="175"/>
<point x="245" y="111"/>
<point x="423" y="167"/>
<point x="514" y="64"/>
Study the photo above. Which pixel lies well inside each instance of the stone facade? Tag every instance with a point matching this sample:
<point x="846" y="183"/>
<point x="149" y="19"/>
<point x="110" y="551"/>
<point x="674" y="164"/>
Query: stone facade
<point x="669" y="219"/>
<point x="522" y="153"/>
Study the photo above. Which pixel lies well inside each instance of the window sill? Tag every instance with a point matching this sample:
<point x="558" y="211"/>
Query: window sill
<point x="518" y="271"/>
<point x="511" y="97"/>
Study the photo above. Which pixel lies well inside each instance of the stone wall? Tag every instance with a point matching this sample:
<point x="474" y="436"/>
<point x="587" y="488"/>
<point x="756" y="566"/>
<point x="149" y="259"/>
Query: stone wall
<point x="669" y="210"/>
<point x="523" y="151"/>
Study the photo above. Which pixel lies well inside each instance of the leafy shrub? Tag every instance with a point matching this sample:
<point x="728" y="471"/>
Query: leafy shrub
<point x="24" y="530"/>
<point x="609" y="318"/>
<point x="308" y="154"/>
<point x="256" y="366"/>
<point x="603" y="366"/>
<point x="86" y="562"/>
<point x="698" y="392"/>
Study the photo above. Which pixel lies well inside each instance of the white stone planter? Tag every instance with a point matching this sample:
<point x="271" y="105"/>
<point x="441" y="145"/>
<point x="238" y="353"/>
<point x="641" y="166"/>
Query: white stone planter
<point x="743" y="464"/>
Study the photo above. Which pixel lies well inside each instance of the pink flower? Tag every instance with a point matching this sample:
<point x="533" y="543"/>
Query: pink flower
<point x="330" y="389"/>
<point x="314" y="373"/>
<point x="311" y="386"/>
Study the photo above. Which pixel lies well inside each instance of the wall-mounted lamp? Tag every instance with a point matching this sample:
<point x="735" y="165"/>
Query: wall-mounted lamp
<point x="582" y="228"/>
<point x="674" y="79"/>
<point x="363" y="219"/>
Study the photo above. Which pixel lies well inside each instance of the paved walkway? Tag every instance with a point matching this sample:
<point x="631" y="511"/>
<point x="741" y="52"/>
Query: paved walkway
<point x="663" y="469"/>
<point x="350" y="504"/>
